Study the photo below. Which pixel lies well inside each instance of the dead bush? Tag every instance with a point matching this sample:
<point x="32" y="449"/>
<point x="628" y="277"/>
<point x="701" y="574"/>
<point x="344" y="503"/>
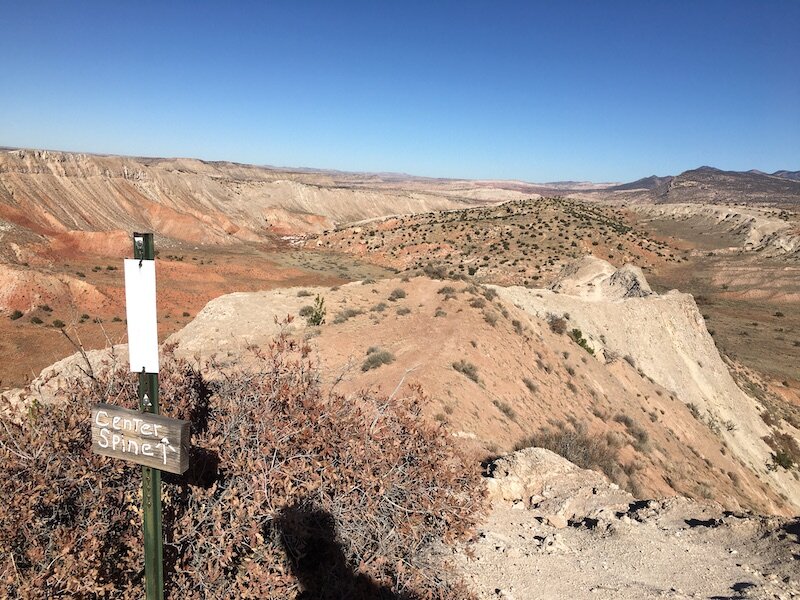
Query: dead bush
<point x="506" y="409"/>
<point x="279" y="471"/>
<point x="558" y="325"/>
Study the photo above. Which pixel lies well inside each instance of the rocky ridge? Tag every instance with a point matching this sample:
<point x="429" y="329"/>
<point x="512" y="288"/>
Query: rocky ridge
<point x="760" y="230"/>
<point x="665" y="338"/>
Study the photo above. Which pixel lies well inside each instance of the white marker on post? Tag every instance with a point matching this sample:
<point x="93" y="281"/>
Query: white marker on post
<point x="140" y="307"/>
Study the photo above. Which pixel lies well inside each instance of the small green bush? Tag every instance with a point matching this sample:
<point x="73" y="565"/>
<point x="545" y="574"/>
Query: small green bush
<point x="36" y="321"/>
<point x="782" y="459"/>
<point x="15" y="315"/>
<point x="317" y="315"/>
<point x="58" y="324"/>
<point x="577" y="335"/>
<point x="787" y="450"/>
<point x="377" y="357"/>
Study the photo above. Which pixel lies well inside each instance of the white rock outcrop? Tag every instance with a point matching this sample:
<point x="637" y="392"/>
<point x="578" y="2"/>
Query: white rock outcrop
<point x="665" y="337"/>
<point x="552" y="487"/>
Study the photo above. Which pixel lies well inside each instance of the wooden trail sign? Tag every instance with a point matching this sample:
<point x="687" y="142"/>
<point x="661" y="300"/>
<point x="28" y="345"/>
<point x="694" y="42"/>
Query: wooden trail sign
<point x="144" y="438"/>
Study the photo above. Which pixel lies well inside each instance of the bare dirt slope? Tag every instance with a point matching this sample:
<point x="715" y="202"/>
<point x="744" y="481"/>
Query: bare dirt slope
<point x="83" y="292"/>
<point x="570" y="535"/>
<point x="493" y="374"/>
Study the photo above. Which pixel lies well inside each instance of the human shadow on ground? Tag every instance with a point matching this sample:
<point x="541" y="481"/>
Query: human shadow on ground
<point x="317" y="561"/>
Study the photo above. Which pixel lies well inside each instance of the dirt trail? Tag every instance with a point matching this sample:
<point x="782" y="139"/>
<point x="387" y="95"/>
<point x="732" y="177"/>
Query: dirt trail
<point x="673" y="548"/>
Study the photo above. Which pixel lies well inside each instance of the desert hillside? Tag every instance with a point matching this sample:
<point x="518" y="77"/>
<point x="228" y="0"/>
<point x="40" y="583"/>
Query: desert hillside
<point x="716" y="186"/>
<point x="194" y="201"/>
<point x="500" y="374"/>
<point x="531" y="334"/>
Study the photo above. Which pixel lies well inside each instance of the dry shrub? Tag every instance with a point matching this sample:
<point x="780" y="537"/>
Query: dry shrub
<point x="578" y="446"/>
<point x="377" y="357"/>
<point x="289" y="489"/>
<point x="558" y="325"/>
<point x="467" y="369"/>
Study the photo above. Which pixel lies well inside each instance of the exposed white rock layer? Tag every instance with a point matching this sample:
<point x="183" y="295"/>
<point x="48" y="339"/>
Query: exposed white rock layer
<point x="666" y="338"/>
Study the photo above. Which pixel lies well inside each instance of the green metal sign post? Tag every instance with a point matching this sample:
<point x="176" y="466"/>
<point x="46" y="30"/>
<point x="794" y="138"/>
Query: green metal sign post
<point x="143" y="249"/>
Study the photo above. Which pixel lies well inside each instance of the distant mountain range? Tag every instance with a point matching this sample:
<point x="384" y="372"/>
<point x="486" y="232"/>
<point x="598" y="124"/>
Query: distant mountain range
<point x="708" y="184"/>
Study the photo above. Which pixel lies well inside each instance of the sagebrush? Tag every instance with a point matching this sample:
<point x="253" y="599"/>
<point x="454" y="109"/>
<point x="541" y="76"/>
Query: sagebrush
<point x="276" y="463"/>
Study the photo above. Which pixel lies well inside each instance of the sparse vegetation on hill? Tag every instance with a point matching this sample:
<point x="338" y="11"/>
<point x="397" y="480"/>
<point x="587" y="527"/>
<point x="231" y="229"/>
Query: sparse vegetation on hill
<point x="286" y="485"/>
<point x="518" y="242"/>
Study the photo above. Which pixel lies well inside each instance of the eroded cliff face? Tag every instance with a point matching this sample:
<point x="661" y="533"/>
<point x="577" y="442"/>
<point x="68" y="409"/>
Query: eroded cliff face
<point x="665" y="338"/>
<point x="756" y="229"/>
<point x="188" y="200"/>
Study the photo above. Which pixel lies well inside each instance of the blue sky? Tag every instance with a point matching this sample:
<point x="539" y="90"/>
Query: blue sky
<point x="603" y="91"/>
